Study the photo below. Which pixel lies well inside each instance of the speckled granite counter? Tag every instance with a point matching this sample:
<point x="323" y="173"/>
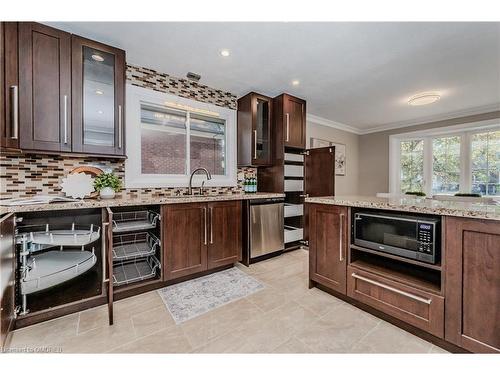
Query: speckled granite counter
<point x="417" y="205"/>
<point x="128" y="201"/>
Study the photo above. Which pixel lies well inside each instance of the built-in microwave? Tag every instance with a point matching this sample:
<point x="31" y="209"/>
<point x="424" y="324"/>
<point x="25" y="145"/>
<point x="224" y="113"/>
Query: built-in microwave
<point x="410" y="236"/>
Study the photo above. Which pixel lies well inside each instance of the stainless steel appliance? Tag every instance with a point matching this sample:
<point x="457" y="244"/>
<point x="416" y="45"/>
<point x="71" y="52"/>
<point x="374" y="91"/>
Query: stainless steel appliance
<point x="410" y="236"/>
<point x="265" y="227"/>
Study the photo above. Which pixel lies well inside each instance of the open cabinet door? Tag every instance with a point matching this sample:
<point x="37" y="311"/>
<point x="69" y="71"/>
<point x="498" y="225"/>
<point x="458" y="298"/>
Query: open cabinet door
<point x="7" y="277"/>
<point x="107" y="258"/>
<point x="319" y="177"/>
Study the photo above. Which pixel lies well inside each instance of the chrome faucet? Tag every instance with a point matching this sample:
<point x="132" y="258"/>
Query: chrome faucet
<point x="190" y="188"/>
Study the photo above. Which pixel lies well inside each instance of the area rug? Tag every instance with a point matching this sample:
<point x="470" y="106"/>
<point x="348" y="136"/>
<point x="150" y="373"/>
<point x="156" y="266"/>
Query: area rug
<point x="193" y="298"/>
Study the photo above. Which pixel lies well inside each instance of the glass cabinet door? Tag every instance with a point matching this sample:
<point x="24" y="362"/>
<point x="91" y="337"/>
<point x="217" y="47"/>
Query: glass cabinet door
<point x="261" y="134"/>
<point x="98" y="94"/>
<point x="98" y="98"/>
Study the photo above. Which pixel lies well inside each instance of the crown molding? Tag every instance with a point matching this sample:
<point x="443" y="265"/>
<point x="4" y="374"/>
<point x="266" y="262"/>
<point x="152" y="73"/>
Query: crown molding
<point x="332" y="124"/>
<point x="403" y="124"/>
<point x="429" y="119"/>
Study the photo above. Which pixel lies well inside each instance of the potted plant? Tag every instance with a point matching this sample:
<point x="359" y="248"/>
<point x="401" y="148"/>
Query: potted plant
<point x="107" y="184"/>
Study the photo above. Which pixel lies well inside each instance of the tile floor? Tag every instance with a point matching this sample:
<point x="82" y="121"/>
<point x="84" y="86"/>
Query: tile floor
<point x="285" y="317"/>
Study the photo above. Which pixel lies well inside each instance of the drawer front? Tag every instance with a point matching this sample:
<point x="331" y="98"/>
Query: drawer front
<point x="293" y="234"/>
<point x="294" y="171"/>
<point x="292" y="210"/>
<point x="294" y="185"/>
<point x="413" y="306"/>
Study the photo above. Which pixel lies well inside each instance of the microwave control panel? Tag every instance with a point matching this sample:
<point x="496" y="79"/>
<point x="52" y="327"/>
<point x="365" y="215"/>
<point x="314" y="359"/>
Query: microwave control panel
<point x="425" y="238"/>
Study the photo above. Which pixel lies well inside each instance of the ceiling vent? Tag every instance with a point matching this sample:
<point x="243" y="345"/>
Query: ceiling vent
<point x="193" y="76"/>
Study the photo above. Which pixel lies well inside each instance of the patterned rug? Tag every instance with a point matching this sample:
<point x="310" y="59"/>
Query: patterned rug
<point x="192" y="298"/>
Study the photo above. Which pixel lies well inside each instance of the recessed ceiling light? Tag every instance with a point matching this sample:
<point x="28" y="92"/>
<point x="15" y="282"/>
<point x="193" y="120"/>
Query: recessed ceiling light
<point x="225" y="52"/>
<point x="295" y="82"/>
<point x="97" y="57"/>
<point x="100" y="112"/>
<point x="99" y="92"/>
<point x="424" y="98"/>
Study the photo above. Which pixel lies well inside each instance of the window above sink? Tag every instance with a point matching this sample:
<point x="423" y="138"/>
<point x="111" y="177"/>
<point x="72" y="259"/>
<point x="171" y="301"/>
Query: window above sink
<point x="169" y="136"/>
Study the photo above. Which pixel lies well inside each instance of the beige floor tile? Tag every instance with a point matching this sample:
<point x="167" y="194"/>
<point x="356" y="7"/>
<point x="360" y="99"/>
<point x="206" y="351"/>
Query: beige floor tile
<point x="169" y="340"/>
<point x="137" y="304"/>
<point x="268" y="299"/>
<point x="103" y="339"/>
<point x="50" y="333"/>
<point x="318" y="301"/>
<point x="293" y="287"/>
<point x="261" y="336"/>
<point x="151" y="321"/>
<point x="219" y="321"/>
<point x="386" y="338"/>
<point x="293" y="346"/>
<point x="338" y="330"/>
<point x="93" y="318"/>
<point x="292" y="316"/>
<point x="227" y="343"/>
<point x="437" y="350"/>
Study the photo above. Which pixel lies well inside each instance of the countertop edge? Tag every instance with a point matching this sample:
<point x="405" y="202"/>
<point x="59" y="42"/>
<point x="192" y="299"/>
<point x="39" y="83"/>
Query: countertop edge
<point x="441" y="211"/>
<point x="123" y="202"/>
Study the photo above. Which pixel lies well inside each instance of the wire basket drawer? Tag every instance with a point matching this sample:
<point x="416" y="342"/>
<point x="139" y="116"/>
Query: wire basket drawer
<point x="134" y="220"/>
<point x="128" y="272"/>
<point x="134" y="245"/>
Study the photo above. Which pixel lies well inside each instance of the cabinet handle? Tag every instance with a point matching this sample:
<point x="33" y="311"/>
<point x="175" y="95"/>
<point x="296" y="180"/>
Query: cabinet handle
<point x="384" y="286"/>
<point x="287" y="127"/>
<point x="65" y="116"/>
<point x="211" y="225"/>
<point x="205" y="226"/>
<point x="255" y="144"/>
<point x="104" y="237"/>
<point x="341" y="238"/>
<point x="119" y="126"/>
<point x="14" y="103"/>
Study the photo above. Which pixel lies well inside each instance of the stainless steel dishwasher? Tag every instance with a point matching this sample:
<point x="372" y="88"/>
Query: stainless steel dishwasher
<point x="265" y="223"/>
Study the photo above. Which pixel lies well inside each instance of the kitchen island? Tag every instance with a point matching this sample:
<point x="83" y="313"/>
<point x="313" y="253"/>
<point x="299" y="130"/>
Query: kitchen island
<point x="453" y="300"/>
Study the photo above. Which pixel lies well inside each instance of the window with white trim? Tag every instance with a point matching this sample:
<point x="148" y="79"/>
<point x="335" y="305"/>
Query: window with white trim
<point x="447" y="161"/>
<point x="168" y="137"/>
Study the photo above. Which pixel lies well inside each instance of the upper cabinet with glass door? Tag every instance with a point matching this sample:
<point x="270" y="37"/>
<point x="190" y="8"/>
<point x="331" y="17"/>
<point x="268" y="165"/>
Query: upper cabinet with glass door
<point x="254" y="130"/>
<point x="98" y="87"/>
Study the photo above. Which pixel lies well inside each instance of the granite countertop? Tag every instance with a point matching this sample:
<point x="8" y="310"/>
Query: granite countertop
<point x="137" y="201"/>
<point x="418" y="205"/>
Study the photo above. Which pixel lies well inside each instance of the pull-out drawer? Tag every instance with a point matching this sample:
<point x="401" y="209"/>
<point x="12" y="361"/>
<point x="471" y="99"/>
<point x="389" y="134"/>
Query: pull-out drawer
<point x="294" y="170"/>
<point x="292" y="210"/>
<point x="419" y="308"/>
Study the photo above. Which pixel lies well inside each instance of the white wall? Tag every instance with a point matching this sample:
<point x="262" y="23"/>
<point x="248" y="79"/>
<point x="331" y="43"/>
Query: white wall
<point x="348" y="184"/>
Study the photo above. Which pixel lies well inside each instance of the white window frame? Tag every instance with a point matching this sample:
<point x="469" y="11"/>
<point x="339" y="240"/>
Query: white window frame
<point x="465" y="131"/>
<point x="134" y="178"/>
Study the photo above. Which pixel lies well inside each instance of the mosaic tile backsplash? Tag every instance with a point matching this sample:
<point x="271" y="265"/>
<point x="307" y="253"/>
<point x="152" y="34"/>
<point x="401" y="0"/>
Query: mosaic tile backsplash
<point x="27" y="175"/>
<point x="151" y="79"/>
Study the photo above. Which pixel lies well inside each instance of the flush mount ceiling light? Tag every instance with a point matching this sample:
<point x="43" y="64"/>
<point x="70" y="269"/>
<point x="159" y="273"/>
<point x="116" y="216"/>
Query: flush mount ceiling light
<point x="225" y="52"/>
<point x="100" y="112"/>
<point x="295" y="82"/>
<point x="97" y="58"/>
<point x="99" y="92"/>
<point x="424" y="98"/>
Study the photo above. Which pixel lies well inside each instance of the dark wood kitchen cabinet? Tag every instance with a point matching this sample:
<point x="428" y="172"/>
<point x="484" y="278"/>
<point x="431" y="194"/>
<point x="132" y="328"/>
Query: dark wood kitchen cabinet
<point x="290" y="115"/>
<point x="254" y="130"/>
<point x="7" y="276"/>
<point x="472" y="319"/>
<point x="44" y="88"/>
<point x="225" y="233"/>
<point x="328" y="245"/>
<point x="98" y="97"/>
<point x="200" y="237"/>
<point x="61" y="92"/>
<point x="186" y="234"/>
<point x="9" y="84"/>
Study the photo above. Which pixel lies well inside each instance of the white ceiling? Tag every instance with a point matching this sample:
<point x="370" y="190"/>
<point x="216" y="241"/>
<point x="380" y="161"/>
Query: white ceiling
<point x="354" y="74"/>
